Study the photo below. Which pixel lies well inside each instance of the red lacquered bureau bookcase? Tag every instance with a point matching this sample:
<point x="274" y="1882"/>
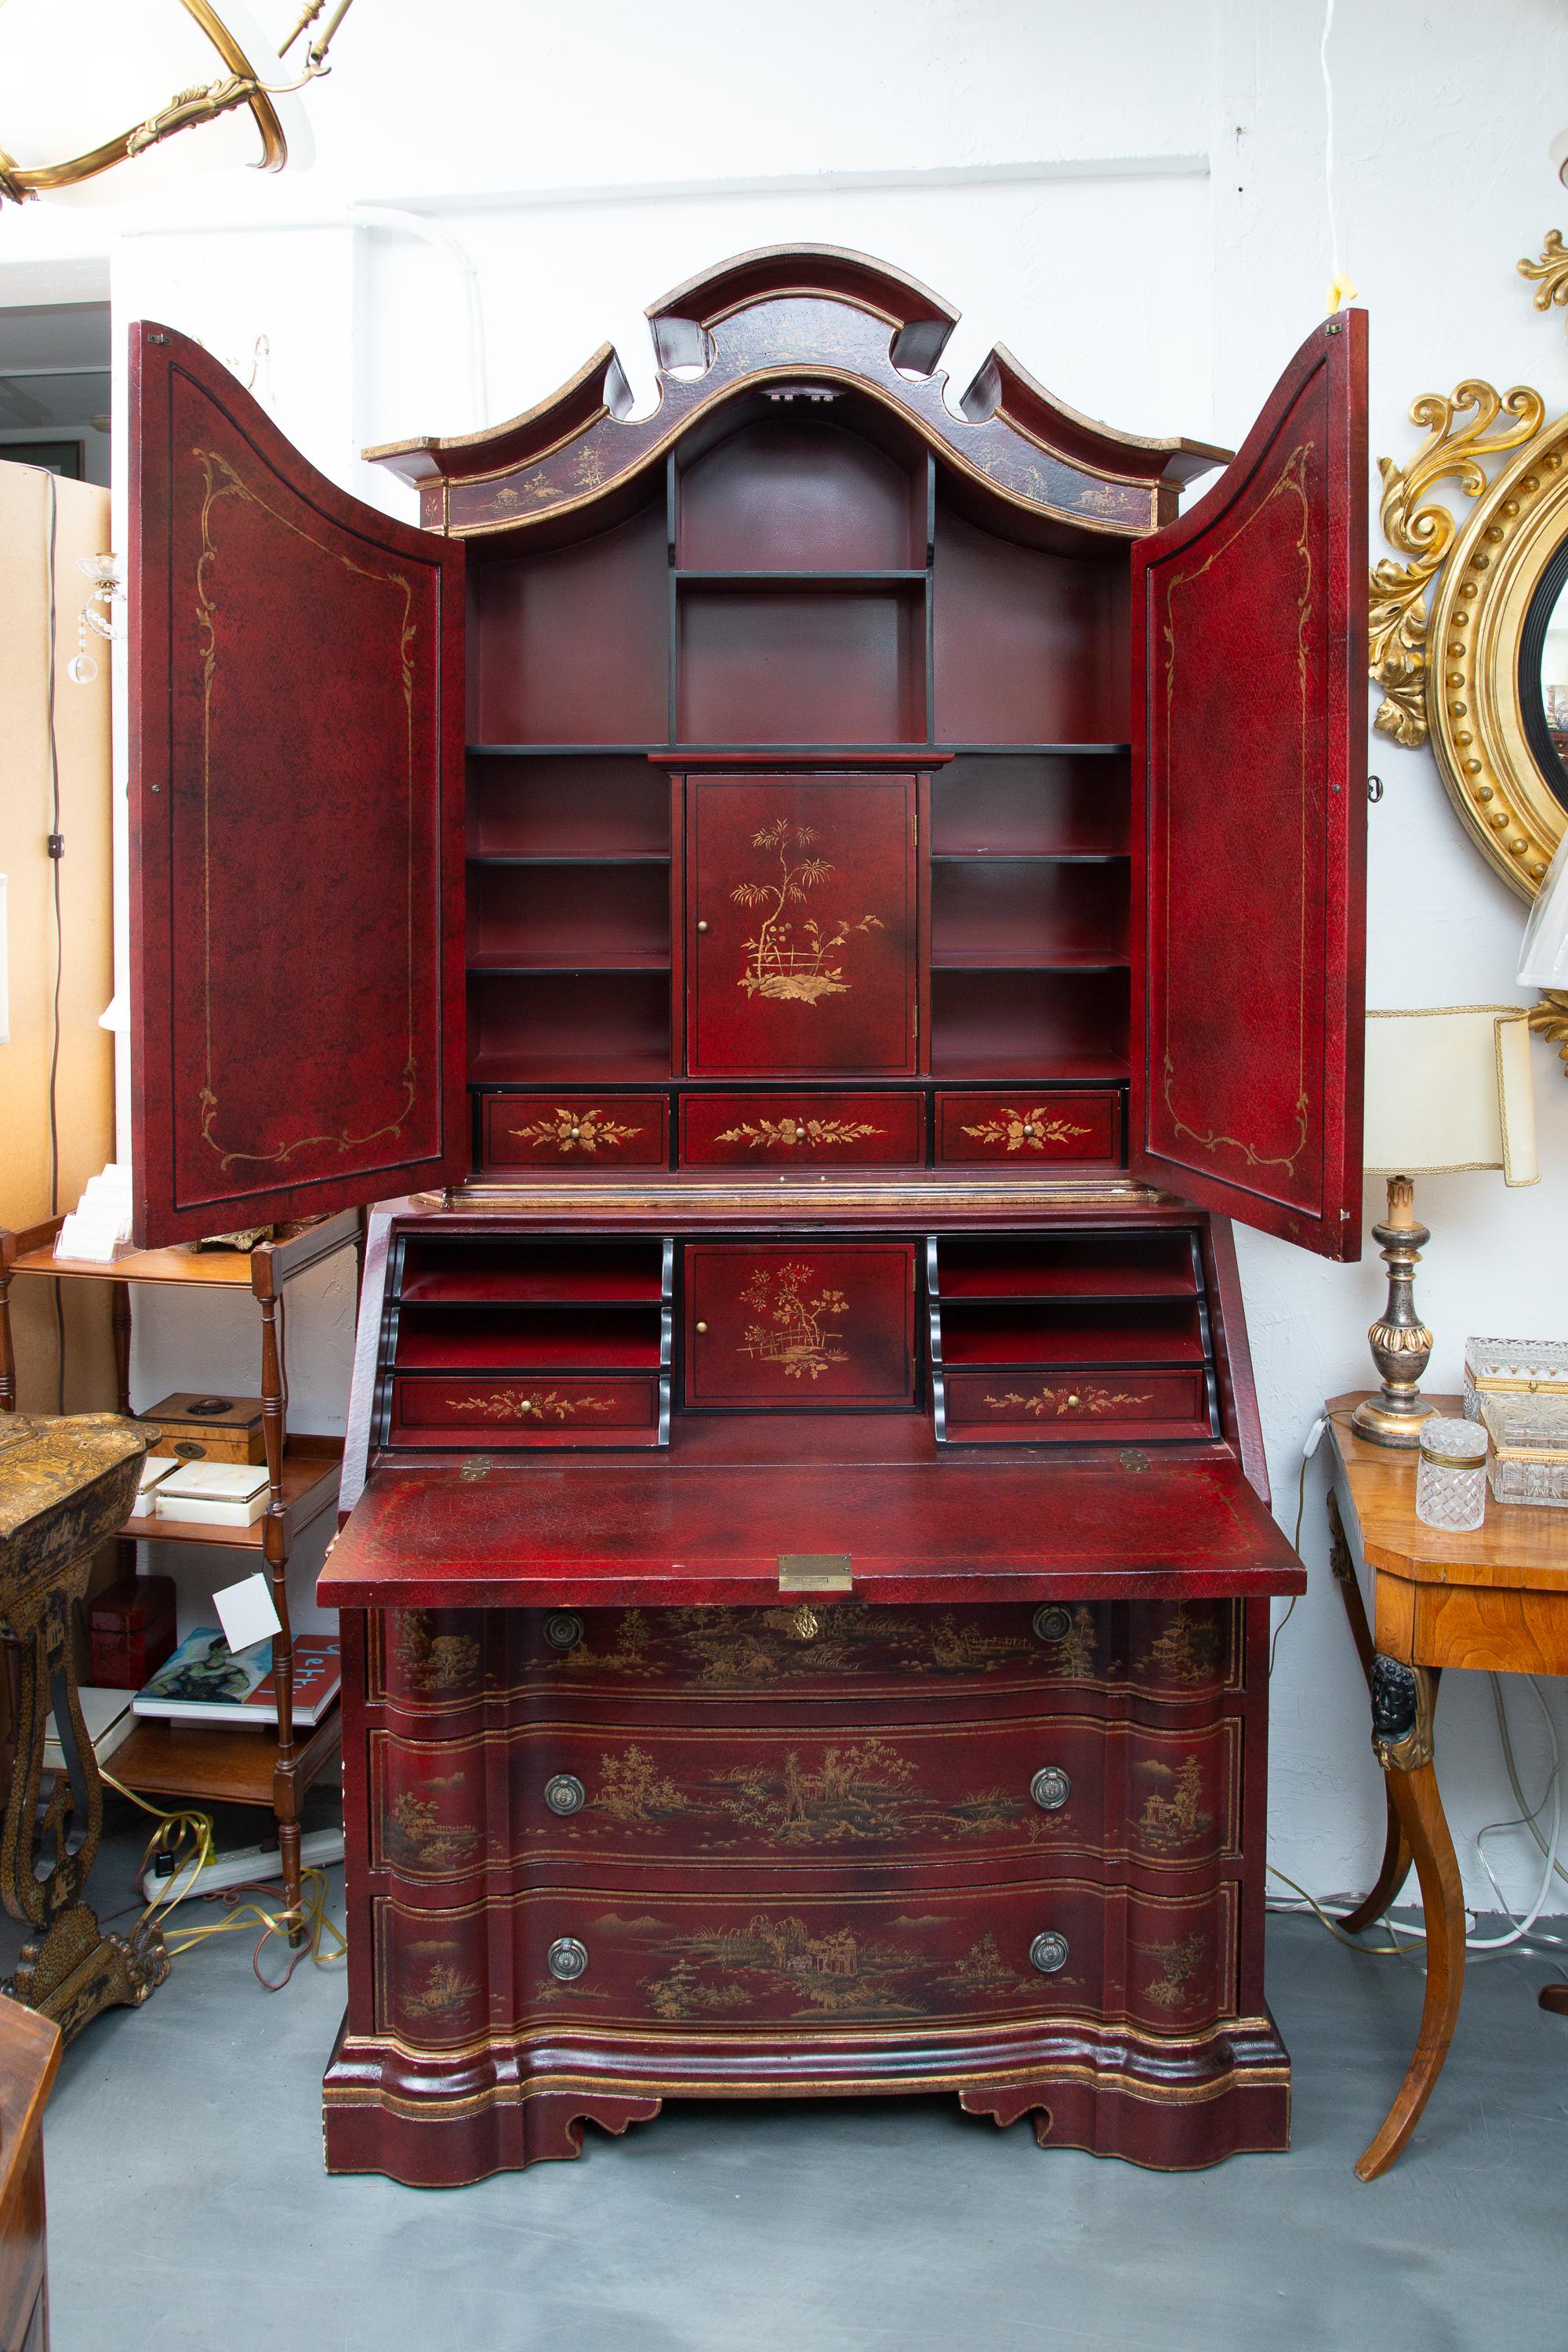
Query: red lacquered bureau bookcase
<point x="887" y="893"/>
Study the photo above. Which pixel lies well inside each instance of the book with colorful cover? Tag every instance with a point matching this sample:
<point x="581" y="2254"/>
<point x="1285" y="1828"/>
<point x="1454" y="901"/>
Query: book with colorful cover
<point x="206" y="1682"/>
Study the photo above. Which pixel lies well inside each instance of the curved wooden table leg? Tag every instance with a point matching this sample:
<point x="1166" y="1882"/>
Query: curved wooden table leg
<point x="1402" y="1738"/>
<point x="1395" y="1868"/>
<point x="1392" y="1874"/>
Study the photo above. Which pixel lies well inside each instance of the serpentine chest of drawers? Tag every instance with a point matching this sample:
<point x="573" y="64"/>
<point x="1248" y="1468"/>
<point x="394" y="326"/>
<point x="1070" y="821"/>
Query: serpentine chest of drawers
<point x="888" y="893"/>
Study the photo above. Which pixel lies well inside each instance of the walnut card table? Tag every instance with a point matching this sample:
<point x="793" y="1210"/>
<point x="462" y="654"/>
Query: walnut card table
<point x="1495" y="1601"/>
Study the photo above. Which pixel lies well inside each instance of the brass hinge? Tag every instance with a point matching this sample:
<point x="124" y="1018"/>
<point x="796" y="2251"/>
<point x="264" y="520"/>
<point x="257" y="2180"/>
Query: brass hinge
<point x="815" y="1572"/>
<point x="917" y="828"/>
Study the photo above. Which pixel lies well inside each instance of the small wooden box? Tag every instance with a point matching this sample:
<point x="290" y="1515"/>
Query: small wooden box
<point x="207" y="1428"/>
<point x="130" y="1631"/>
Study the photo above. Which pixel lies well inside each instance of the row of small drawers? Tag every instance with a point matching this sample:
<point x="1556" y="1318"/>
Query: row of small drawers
<point x="788" y="1128"/>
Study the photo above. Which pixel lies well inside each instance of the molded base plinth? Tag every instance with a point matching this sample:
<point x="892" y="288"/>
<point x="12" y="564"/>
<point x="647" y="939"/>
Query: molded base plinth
<point x="435" y="2120"/>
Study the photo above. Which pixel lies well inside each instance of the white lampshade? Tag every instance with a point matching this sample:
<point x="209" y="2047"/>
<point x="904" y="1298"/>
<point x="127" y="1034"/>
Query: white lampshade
<point x="1448" y="1088"/>
<point x="76" y="73"/>
<point x="1543" y="952"/>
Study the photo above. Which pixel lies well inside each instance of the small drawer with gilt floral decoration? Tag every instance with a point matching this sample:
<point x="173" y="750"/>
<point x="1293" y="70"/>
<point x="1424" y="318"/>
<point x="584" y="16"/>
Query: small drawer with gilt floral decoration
<point x="1052" y="1408"/>
<point x="793" y="1131"/>
<point x="566" y="1131"/>
<point x="1029" y="1126"/>
<point x="454" y="1411"/>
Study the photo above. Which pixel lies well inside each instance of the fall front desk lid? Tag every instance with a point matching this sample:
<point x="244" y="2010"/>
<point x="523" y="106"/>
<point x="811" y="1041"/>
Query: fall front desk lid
<point x="614" y="1532"/>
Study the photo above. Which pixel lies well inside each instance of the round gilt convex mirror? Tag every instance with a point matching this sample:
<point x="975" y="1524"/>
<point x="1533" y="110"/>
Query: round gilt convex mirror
<point x="1496" y="677"/>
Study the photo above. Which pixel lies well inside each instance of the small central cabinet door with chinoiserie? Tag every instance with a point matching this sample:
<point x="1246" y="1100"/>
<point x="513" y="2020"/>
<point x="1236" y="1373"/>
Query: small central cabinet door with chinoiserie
<point x="807" y="1326"/>
<point x="801" y="924"/>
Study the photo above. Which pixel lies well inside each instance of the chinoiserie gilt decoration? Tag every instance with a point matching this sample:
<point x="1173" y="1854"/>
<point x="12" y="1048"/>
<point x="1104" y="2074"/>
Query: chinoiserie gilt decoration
<point x="1035" y="1128"/>
<point x="795" y="970"/>
<point x="571" y="1132"/>
<point x="794" y="1334"/>
<point x="1459" y="620"/>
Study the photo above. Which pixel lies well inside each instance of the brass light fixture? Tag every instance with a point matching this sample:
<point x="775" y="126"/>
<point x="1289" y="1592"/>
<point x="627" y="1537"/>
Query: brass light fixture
<point x="47" y="104"/>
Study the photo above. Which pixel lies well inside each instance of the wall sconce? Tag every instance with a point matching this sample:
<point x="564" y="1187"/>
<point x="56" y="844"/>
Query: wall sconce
<point x="71" y="71"/>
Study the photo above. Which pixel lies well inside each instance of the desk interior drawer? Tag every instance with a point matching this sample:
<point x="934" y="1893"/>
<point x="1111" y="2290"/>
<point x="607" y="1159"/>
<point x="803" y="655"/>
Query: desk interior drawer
<point x="538" y="1409"/>
<point x="1032" y="1123"/>
<point x="801" y="1130"/>
<point x="562" y="1130"/>
<point x="1063" y="1408"/>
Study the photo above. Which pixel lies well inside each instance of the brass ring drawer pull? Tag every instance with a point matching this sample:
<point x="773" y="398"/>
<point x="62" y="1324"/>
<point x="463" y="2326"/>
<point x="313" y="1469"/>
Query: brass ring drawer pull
<point x="564" y="1793"/>
<point x="1051" y="1788"/>
<point x="1048" y="1952"/>
<point x="1052" y="1622"/>
<point x="566" y="1958"/>
<point x="563" y="1628"/>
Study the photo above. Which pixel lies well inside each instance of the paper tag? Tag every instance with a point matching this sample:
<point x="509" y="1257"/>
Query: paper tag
<point x="246" y="1613"/>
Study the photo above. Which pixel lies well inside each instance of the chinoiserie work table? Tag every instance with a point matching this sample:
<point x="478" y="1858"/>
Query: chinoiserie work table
<point x="771" y="870"/>
<point x="1494" y="1601"/>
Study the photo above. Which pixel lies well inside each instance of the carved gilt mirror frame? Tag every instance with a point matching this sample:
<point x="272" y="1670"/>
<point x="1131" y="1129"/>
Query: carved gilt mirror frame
<point x="1458" y="626"/>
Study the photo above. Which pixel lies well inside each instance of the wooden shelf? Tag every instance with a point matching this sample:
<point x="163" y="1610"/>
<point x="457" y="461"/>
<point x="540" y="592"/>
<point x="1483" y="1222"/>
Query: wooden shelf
<point x="526" y="1073"/>
<point x="1019" y="959"/>
<point x="561" y="751"/>
<point x="312" y="1467"/>
<point x="1037" y="751"/>
<point x="500" y="962"/>
<point x="1001" y="1068"/>
<point x="809" y="581"/>
<point x="218" y="1763"/>
<point x="569" y="857"/>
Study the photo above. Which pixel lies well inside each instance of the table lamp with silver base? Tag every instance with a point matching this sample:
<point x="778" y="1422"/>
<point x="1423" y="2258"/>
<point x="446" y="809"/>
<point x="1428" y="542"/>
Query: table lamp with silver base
<point x="1447" y="1090"/>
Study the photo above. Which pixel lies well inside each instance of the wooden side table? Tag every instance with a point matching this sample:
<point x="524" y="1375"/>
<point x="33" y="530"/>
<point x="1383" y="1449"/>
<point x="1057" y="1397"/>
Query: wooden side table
<point x="1496" y="1601"/>
<point x="198" y="1763"/>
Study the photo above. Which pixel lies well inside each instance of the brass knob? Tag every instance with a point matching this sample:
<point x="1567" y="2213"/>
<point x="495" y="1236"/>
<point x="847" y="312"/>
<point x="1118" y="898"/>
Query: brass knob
<point x="567" y="1959"/>
<point x="564" y="1793"/>
<point x="1073" y="1401"/>
<point x="1047" y="1952"/>
<point x="702" y="927"/>
<point x="700" y="1328"/>
<point x="1051" y="1788"/>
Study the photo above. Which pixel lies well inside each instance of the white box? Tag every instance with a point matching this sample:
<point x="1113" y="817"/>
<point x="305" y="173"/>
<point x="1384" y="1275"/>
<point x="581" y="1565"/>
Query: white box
<point x="213" y="1495"/>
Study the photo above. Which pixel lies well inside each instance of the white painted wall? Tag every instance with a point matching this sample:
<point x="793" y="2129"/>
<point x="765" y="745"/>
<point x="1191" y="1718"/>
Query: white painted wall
<point x="1132" y="197"/>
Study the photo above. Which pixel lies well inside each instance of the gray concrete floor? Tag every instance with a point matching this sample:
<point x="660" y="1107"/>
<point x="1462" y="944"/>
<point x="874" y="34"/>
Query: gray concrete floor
<point x="188" y="2210"/>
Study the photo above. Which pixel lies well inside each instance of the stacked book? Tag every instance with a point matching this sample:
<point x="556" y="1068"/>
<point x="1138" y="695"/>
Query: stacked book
<point x="206" y="1682"/>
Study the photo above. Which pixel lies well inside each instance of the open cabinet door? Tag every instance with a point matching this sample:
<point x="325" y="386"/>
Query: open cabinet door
<point x="296" y="823"/>
<point x="1249" y="818"/>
